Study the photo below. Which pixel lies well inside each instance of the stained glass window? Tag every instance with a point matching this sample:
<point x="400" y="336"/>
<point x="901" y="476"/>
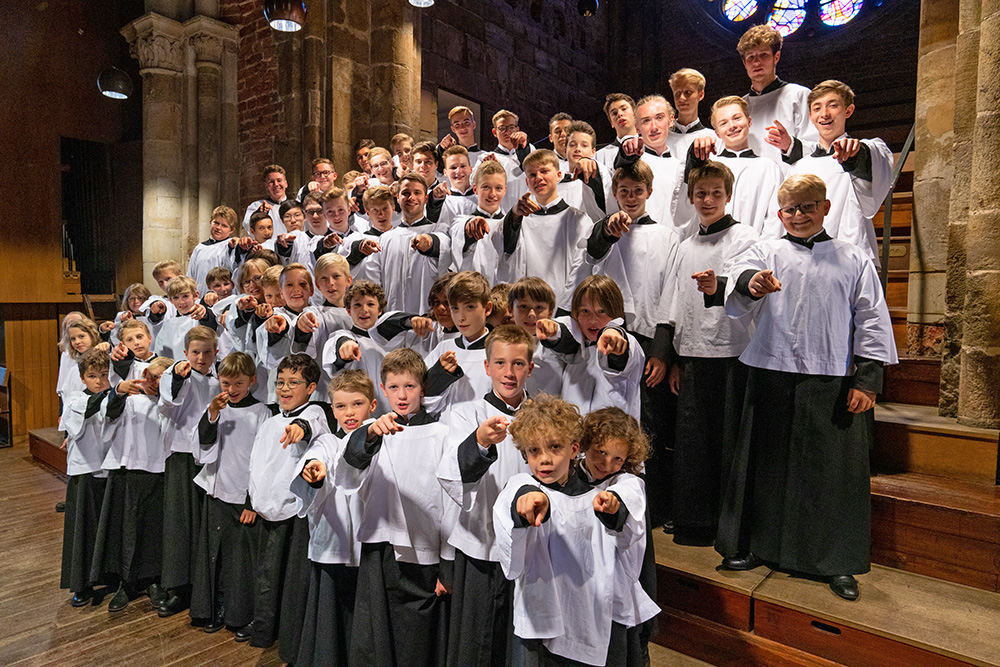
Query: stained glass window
<point x="839" y="12"/>
<point x="787" y="16"/>
<point x="740" y="10"/>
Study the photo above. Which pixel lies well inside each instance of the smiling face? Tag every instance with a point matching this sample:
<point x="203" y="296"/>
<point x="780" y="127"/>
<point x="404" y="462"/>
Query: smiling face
<point x="138" y="341"/>
<point x="761" y="65"/>
<point x="558" y="133"/>
<point x="655" y="119"/>
<point x="263" y="230"/>
<point x="403" y="152"/>
<point x="96" y="380"/>
<point x="382" y="168"/>
<point x="237" y="386"/>
<point x="201" y="355"/>
<point x="351" y="409"/>
<point x="799" y="224"/>
<point x="550" y="457"/>
<point x="606" y="458"/>
<point x="632" y="196"/>
<point x="250" y="282"/>
<point x="219" y="229"/>
<point x="441" y="310"/>
<point x="527" y="312"/>
<point x="490" y="192"/>
<point x="184" y="302"/>
<point x="296" y="289"/>
<point x="829" y="114"/>
<point x="591" y="318"/>
<point x="508" y="368"/>
<point x="134" y="304"/>
<point x="332" y="282"/>
<point x="337" y="214"/>
<point x="732" y="125"/>
<point x="412" y="198"/>
<point x="578" y="146"/>
<point x="365" y="311"/>
<point x="710" y="199"/>
<point x="292" y="389"/>
<point x="324" y="174"/>
<point x="543" y="179"/>
<point x="470" y="318"/>
<point x="276" y="185"/>
<point x="362" y="158"/>
<point x="404" y="392"/>
<point x="622" y="117"/>
<point x="464" y="128"/>
<point x="79" y="339"/>
<point x="457" y="169"/>
<point x="503" y="129"/>
<point x="425" y="165"/>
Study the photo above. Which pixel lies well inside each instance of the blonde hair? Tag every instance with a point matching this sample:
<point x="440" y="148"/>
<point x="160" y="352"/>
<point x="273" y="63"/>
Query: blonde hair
<point x="331" y="260"/>
<point x="295" y="266"/>
<point x="541" y="157"/>
<point x="236" y="364"/>
<point x="378" y="150"/>
<point x="355" y="381"/>
<point x="399" y="139"/>
<point x="602" y="291"/>
<point x="200" y="333"/>
<point x="545" y="417"/>
<point x="227" y="214"/>
<point x="271" y="276"/>
<point x="798" y="184"/>
<point x="166" y="265"/>
<point x="657" y="98"/>
<point x="488" y="168"/>
<point x="687" y="75"/>
<point x="759" y="35"/>
<point x="218" y="273"/>
<point x="64" y="326"/>
<point x="335" y="192"/>
<point x="726" y="101"/>
<point x="458" y="110"/>
<point x="499" y="295"/>
<point x="512" y="335"/>
<point x="132" y="324"/>
<point x="839" y="88"/>
<point x="503" y="113"/>
<point x="160" y="364"/>
<point x="90" y="327"/>
<point x="182" y="285"/>
<point x="601" y="426"/>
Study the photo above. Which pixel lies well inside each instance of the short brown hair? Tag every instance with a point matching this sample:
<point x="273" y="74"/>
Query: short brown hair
<point x="438" y="288"/>
<point x="312" y="196"/>
<point x="638" y="171"/>
<point x="131" y="324"/>
<point x="333" y="193"/>
<point x="468" y="287"/>
<point x="602" y="291"/>
<point x="534" y="288"/>
<point x="166" y="265"/>
<point x="759" y="35"/>
<point x="606" y="424"/>
<point x="295" y="266"/>
<point x="236" y="364"/>
<point x="272" y="276"/>
<point x="585" y="127"/>
<point x="512" y="335"/>
<point x="404" y="360"/>
<point x="182" y="285"/>
<point x="268" y="256"/>
<point x="499" y="296"/>
<point x="200" y="333"/>
<point x="802" y="184"/>
<point x="376" y="193"/>
<point x="727" y="101"/>
<point x="256" y="217"/>
<point x="321" y="160"/>
<point x="398" y="139"/>
<point x="355" y="381"/>
<point x="364" y="143"/>
<point x="258" y="263"/>
<point x="136" y="289"/>
<point x="611" y="98"/>
<point x="562" y="115"/>
<point x="218" y="273"/>
<point x="227" y="214"/>
<point x="272" y="169"/>
<point x="539" y="157"/>
<point x="362" y="288"/>
<point x="711" y="170"/>
<point x="94" y="359"/>
<point x="488" y="168"/>
<point x="545" y="417"/>
<point x="302" y="364"/>
<point x="412" y="177"/>
<point x="455" y="150"/>
<point x="688" y="75"/>
<point x="503" y="113"/>
<point x="839" y="88"/>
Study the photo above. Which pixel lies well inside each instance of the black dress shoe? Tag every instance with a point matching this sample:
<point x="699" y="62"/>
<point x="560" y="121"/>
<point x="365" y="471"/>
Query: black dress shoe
<point x="172" y="605"/>
<point x="668" y="527"/>
<point x="845" y="586"/>
<point x="156" y="595"/>
<point x="81" y="598"/>
<point x="120" y="600"/>
<point x="60" y="507"/>
<point x="741" y="563"/>
<point x="244" y="633"/>
<point x="216" y="623"/>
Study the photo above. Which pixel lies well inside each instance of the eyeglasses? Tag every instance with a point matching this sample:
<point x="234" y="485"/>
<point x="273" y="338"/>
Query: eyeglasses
<point x="291" y="384"/>
<point x="325" y="172"/>
<point x="314" y="211"/>
<point x="806" y="207"/>
<point x="506" y="129"/>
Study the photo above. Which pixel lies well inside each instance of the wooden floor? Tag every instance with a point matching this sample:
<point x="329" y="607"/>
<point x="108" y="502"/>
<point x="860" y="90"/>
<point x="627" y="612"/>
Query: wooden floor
<point x="37" y="624"/>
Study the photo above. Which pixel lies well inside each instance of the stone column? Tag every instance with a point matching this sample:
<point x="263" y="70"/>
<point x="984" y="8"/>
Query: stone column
<point x="208" y="39"/>
<point x="979" y="391"/>
<point x="395" y="71"/>
<point x="158" y="44"/>
<point x="935" y="111"/>
<point x="348" y="93"/>
<point x="965" y="75"/>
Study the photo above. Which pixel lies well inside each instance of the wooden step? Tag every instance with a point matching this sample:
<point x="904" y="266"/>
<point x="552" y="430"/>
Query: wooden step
<point x="914" y="380"/>
<point x="45" y="445"/>
<point x="914" y="438"/>
<point x="939" y="527"/>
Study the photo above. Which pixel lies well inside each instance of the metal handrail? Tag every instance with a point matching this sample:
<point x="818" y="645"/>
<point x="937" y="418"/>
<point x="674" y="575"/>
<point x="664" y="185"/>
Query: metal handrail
<point x="887" y="207"/>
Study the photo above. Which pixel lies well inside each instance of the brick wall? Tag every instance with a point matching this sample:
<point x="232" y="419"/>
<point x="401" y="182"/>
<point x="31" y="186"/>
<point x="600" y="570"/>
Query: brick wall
<point x="261" y="109"/>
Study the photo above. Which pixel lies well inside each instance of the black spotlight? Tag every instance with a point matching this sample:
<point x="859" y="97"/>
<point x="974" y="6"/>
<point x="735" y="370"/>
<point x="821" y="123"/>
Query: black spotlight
<point x="587" y="7"/>
<point x="285" y="15"/>
<point x="114" y="83"/>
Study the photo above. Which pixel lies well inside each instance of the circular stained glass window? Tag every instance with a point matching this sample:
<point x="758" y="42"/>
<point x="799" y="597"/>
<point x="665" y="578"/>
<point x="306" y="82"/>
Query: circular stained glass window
<point x="787" y="16"/>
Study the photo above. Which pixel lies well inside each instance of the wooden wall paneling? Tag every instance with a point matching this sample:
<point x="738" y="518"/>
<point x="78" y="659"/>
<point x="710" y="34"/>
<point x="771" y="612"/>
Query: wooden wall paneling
<point x="31" y="332"/>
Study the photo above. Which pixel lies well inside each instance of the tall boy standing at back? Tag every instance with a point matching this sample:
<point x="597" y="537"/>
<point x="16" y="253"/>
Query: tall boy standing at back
<point x="688" y="87"/>
<point x="822" y="334"/>
<point x="620" y="110"/>
<point x="276" y="185"/>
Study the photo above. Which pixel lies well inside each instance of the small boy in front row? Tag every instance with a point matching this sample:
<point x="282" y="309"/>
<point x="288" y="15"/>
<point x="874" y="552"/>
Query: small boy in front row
<point x="168" y="330"/>
<point x="334" y="553"/>
<point x="479" y="460"/>
<point x="282" y="575"/>
<point x="83" y="421"/>
<point x="222" y="594"/>
<point x="561" y="541"/>
<point x="391" y="466"/>
<point x="822" y="334"/>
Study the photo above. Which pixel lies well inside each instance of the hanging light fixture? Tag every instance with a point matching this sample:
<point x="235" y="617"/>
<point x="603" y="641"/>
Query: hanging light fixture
<point x="285" y="15"/>
<point x="114" y="83"/>
<point x="587" y="7"/>
<point x="421" y="3"/>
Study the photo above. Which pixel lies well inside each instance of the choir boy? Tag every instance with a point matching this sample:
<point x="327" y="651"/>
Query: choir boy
<point x="499" y="294"/>
<point x="471" y="248"/>
<point x="169" y="331"/>
<point x="219" y="250"/>
<point x="529" y="301"/>
<point x="133" y="354"/>
<point x="511" y="151"/>
<point x="379" y="206"/>
<point x="688" y="87"/>
<point x="361" y="150"/>
<point x="586" y="185"/>
<point x="401" y="146"/>
<point x="380" y="161"/>
<point x="461" y="196"/>
<point x="822" y="332"/>
<point x="277" y="335"/>
<point x="262" y="229"/>
<point x="324" y="178"/>
<point x="620" y="110"/>
<point x="275" y="184"/>
<point x="463" y="126"/>
<point x="558" y="135"/>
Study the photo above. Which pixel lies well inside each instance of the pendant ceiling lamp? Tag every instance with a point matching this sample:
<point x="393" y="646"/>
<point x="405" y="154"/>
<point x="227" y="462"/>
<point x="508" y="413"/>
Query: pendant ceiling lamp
<point x="285" y="15"/>
<point x="114" y="83"/>
<point x="421" y="3"/>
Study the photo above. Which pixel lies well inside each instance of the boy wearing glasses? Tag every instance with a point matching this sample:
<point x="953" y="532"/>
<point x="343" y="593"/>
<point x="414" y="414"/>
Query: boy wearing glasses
<point x="858" y="172"/>
<point x="324" y="177"/>
<point x="512" y="148"/>
<point x="815" y="365"/>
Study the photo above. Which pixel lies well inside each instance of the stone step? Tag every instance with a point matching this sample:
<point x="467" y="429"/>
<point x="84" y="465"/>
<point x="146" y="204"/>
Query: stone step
<point x="901" y="619"/>
<point x="914" y="438"/>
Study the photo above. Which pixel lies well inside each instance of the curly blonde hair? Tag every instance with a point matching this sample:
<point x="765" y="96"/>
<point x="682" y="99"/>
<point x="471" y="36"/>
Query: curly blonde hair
<point x="546" y="417"/>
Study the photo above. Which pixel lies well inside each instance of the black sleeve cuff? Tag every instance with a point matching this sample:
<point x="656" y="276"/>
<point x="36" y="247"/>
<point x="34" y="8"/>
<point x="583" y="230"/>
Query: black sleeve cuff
<point x="614" y="521"/>
<point x="596" y="185"/>
<point x="662" y="346"/>
<point x="283" y="250"/>
<point x="307" y="431"/>
<point x="623" y="160"/>
<point x="868" y="375"/>
<point x="435" y="249"/>
<point x="795" y="154"/>
<point x="176" y="382"/>
<point x="116" y="405"/>
<point x="314" y="485"/>
<point x="208" y="433"/>
<point x="94" y="404"/>
<point x="359" y="452"/>
<point x="859" y="165"/>
<point x="471" y="462"/>
<point x="520" y="521"/>
<point x="123" y="366"/>
<point x="275" y="338"/>
<point x="301" y="337"/>
<point x="433" y="208"/>
<point x="156" y="318"/>
<point x="355" y="256"/>
<point x="691" y="162"/>
<point x="511" y="231"/>
<point x="340" y="362"/>
<point x="600" y="241"/>
<point x="719" y="298"/>
<point x="209" y="319"/>
<point x="394" y="325"/>
<point x="566" y="343"/>
<point x="743" y="284"/>
<point x="438" y="379"/>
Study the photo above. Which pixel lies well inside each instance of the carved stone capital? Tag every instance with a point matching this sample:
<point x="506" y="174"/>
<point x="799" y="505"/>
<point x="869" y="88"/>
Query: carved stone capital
<point x="156" y="42"/>
<point x="209" y="38"/>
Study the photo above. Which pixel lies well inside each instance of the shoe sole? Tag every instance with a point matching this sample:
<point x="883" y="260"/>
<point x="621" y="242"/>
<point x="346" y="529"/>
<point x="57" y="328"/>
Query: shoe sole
<point x="164" y="613"/>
